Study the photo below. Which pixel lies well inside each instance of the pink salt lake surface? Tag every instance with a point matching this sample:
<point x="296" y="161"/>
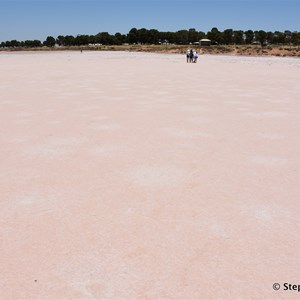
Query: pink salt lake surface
<point x="140" y="176"/>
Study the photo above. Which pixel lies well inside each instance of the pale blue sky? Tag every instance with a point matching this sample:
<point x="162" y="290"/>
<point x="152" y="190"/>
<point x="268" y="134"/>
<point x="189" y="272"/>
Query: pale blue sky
<point x="36" y="19"/>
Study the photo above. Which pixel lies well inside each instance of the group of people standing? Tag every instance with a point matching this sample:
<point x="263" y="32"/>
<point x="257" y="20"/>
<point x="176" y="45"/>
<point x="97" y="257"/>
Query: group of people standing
<point x="191" y="56"/>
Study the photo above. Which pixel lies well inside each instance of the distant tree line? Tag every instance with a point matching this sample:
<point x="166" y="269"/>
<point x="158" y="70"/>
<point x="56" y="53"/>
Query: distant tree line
<point x="153" y="36"/>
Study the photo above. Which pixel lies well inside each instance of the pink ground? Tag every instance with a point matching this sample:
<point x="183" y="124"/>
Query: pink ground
<point x="140" y="176"/>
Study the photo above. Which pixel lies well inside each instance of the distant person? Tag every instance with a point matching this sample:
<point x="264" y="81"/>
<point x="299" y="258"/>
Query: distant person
<point x="81" y="51"/>
<point x="191" y="55"/>
<point x="187" y="55"/>
<point x="195" y="55"/>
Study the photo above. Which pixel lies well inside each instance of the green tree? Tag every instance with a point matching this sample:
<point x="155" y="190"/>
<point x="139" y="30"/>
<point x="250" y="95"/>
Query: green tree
<point x="133" y="36"/>
<point x="288" y="36"/>
<point x="8" y="44"/>
<point x="261" y="37"/>
<point x="15" y="43"/>
<point x="153" y="36"/>
<point x="182" y="37"/>
<point x="118" y="38"/>
<point x="105" y="38"/>
<point x="270" y="37"/>
<point x="295" y="38"/>
<point x="69" y="40"/>
<point x="49" y="42"/>
<point x="228" y="36"/>
<point x="201" y="35"/>
<point x="36" y="43"/>
<point x="193" y="35"/>
<point x="60" y="40"/>
<point x="238" y="37"/>
<point x="143" y="36"/>
<point x="81" y="40"/>
<point x="171" y="37"/>
<point x="215" y="36"/>
<point x="92" y="39"/>
<point x="249" y="36"/>
<point x="279" y="37"/>
<point x="32" y="43"/>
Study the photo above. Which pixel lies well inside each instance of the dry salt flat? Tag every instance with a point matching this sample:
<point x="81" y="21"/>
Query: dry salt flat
<point x="130" y="175"/>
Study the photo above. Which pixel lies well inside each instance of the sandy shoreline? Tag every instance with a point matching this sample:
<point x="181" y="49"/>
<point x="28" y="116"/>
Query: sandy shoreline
<point x="236" y="50"/>
<point x="135" y="175"/>
<point x="136" y="54"/>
